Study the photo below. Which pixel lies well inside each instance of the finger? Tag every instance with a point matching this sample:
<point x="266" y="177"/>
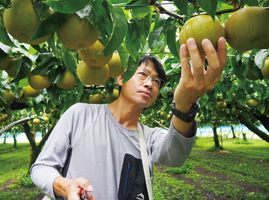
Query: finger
<point x="222" y="51"/>
<point x="184" y="59"/>
<point x="84" y="183"/>
<point x="197" y="61"/>
<point x="90" y="197"/>
<point x="214" y="69"/>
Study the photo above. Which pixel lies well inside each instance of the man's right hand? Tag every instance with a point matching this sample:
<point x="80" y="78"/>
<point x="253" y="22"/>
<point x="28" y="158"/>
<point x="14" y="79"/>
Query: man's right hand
<point x="71" y="189"/>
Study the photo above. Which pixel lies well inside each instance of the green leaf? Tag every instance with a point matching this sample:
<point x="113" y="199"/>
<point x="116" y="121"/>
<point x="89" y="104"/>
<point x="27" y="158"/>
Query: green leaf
<point x="5" y="3"/>
<point x="67" y="6"/>
<point x="40" y="8"/>
<point x="24" y="70"/>
<point x="253" y="68"/>
<point x="141" y="11"/>
<point x="123" y="56"/>
<point x="45" y="66"/>
<point x="109" y="86"/>
<point x="70" y="59"/>
<point x="120" y="29"/>
<point x="80" y="87"/>
<point x="99" y="16"/>
<point x="23" y="83"/>
<point x="53" y="93"/>
<point x="154" y="36"/>
<point x="118" y="1"/>
<point x="209" y="6"/>
<point x="49" y="25"/>
<point x="182" y="5"/>
<point x="52" y="44"/>
<point x="144" y="27"/>
<point x="3" y="55"/>
<point x="5" y="39"/>
<point x="171" y="41"/>
<point x="260" y="58"/>
<point x="133" y="38"/>
<point x="203" y="100"/>
<point x="7" y="109"/>
<point x="55" y="75"/>
<point x="34" y="48"/>
<point x="131" y="69"/>
<point x="139" y="8"/>
<point x="164" y="91"/>
<point x="238" y="68"/>
<point x="251" y="2"/>
<point x="157" y="30"/>
<point x="159" y="21"/>
<point x="238" y="55"/>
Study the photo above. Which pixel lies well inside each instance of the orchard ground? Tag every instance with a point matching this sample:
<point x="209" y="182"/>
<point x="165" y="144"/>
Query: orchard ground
<point x="239" y="172"/>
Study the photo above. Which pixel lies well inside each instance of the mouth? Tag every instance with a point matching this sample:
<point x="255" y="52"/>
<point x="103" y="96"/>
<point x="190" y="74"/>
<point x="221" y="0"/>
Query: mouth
<point x="146" y="94"/>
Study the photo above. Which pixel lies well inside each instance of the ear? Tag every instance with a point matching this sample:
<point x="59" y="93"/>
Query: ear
<point x="120" y="80"/>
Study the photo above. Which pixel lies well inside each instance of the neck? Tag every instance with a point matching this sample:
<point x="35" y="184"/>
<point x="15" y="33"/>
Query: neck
<point x="125" y="113"/>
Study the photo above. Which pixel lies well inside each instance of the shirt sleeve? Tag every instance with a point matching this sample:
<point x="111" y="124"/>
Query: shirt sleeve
<point x="171" y="148"/>
<point x="53" y="156"/>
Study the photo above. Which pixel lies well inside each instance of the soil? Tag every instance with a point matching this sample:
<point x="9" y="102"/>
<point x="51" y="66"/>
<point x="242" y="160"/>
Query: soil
<point x="199" y="170"/>
<point x="21" y="190"/>
<point x="250" y="189"/>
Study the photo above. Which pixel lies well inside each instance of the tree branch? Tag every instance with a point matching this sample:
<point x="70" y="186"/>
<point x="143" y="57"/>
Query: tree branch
<point x="253" y="128"/>
<point x="175" y="15"/>
<point x="181" y="17"/>
<point x="6" y="128"/>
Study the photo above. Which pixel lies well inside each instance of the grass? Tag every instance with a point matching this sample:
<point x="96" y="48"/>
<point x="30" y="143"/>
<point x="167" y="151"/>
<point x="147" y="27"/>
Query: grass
<point x="14" y="183"/>
<point x="239" y="172"/>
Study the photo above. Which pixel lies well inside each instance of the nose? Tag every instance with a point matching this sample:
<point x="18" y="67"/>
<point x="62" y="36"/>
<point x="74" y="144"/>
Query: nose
<point x="148" y="82"/>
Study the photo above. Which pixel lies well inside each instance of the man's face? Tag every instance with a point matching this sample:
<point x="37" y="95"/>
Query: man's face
<point x="142" y="89"/>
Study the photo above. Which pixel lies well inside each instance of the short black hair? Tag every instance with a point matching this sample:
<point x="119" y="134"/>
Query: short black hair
<point x="157" y="64"/>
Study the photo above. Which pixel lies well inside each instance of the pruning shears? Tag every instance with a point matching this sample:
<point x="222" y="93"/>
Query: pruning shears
<point x="83" y="195"/>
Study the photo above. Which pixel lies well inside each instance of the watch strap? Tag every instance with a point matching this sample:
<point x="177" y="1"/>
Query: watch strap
<point x="186" y="118"/>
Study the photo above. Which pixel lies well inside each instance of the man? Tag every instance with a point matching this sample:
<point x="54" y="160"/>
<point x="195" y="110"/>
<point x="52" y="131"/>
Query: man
<point x="104" y="139"/>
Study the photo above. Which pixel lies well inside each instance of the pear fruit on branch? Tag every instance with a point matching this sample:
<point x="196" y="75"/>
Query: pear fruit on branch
<point x="77" y="33"/>
<point x="199" y="28"/>
<point x="21" y="21"/>
<point x="248" y="28"/>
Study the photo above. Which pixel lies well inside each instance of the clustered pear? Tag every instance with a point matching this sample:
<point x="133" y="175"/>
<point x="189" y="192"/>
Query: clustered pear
<point x="21" y="21"/>
<point x="265" y="69"/>
<point x="77" y="33"/>
<point x="199" y="28"/>
<point x="39" y="82"/>
<point x="248" y="28"/>
<point x="96" y="68"/>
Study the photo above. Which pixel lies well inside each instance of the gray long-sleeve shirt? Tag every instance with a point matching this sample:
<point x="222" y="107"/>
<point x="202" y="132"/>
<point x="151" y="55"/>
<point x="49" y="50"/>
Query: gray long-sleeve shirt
<point x="100" y="145"/>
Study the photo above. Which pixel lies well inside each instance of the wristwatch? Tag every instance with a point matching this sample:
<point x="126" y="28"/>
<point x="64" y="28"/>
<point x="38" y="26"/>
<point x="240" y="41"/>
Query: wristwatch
<point x="186" y="118"/>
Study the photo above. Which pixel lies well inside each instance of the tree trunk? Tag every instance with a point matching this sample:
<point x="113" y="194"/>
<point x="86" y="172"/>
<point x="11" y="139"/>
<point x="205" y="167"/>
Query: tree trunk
<point x="233" y="131"/>
<point x="244" y="136"/>
<point x="34" y="149"/>
<point x="34" y="152"/>
<point x="15" y="140"/>
<point x="5" y="139"/>
<point x="216" y="138"/>
<point x="253" y="128"/>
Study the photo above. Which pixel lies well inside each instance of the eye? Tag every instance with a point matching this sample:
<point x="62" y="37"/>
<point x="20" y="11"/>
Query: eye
<point x="157" y="81"/>
<point x="143" y="74"/>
